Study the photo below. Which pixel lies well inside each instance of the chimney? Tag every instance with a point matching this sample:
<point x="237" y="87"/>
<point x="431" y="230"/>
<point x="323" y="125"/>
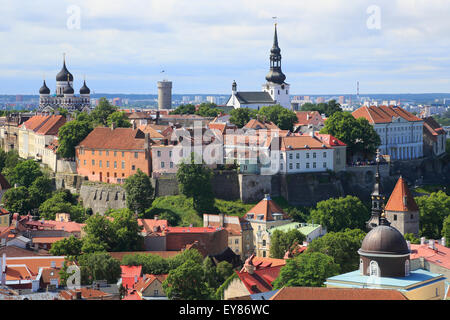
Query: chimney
<point x="422" y="240"/>
<point x="113" y="126"/>
<point x="443" y="242"/>
<point x="404" y="200"/>
<point x="431" y="244"/>
<point x="267" y="196"/>
<point x="156" y="217"/>
<point x="307" y="116"/>
<point x="147" y="141"/>
<point x="134" y="125"/>
<point x="221" y="219"/>
<point x="409" y="245"/>
<point x="144" y="277"/>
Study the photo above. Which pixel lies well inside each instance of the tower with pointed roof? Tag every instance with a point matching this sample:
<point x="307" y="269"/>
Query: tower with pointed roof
<point x="401" y="209"/>
<point x="377" y="198"/>
<point x="276" y="85"/>
<point x="64" y="96"/>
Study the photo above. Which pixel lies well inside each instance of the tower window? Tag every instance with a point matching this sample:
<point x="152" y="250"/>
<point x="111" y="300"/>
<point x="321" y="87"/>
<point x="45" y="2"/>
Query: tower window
<point x="374" y="269"/>
<point x="395" y="217"/>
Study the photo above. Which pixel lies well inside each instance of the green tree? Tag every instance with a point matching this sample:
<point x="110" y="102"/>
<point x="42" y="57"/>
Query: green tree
<point x="70" y="135"/>
<point x="119" y="119"/>
<point x="179" y="259"/>
<point x="63" y="112"/>
<point x="323" y="108"/>
<point x="433" y="210"/>
<point x="446" y="231"/>
<point x="24" y="173"/>
<point x="126" y="231"/>
<point x="17" y="200"/>
<point x="99" y="266"/>
<point x="187" y="283"/>
<point x="207" y="110"/>
<point x="102" y="111"/>
<point x="151" y="263"/>
<point x="358" y="134"/>
<point x="184" y="109"/>
<point x="412" y="238"/>
<point x="282" y="117"/>
<point x="341" y="213"/>
<point x="12" y="159"/>
<point x="40" y="190"/>
<point x="62" y="201"/>
<point x="224" y="270"/>
<point x="241" y="116"/>
<point x="67" y="247"/>
<point x="139" y="192"/>
<point x="99" y="234"/>
<point x="306" y="270"/>
<point x="3" y="156"/>
<point x="280" y="242"/>
<point x="194" y="181"/>
<point x="341" y="246"/>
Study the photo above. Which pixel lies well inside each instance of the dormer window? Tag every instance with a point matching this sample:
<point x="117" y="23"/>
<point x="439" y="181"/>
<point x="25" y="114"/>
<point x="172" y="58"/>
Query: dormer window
<point x="250" y="216"/>
<point x="260" y="217"/>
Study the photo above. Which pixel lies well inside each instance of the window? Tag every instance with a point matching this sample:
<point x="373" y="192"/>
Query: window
<point x="290" y="156"/>
<point x="158" y="153"/>
<point x="361" y="266"/>
<point x="136" y="155"/>
<point x="115" y="153"/>
<point x="395" y="217"/>
<point x="170" y="153"/>
<point x="133" y="167"/>
<point x="93" y="162"/>
<point x="236" y="241"/>
<point x="264" y="243"/>
<point x="374" y="269"/>
<point x="307" y="165"/>
<point x="156" y="293"/>
<point x="100" y="153"/>
<point x="281" y="156"/>
<point x="307" y="155"/>
<point x="107" y="164"/>
<point x="123" y="164"/>
<point x="412" y="216"/>
<point x="107" y="153"/>
<point x="171" y="164"/>
<point x="281" y="166"/>
<point x="324" y="154"/>
<point x="290" y="165"/>
<point x="314" y="164"/>
<point x="297" y="155"/>
<point x="115" y="164"/>
<point x="162" y="164"/>
<point x="100" y="163"/>
<point x="298" y="165"/>
<point x="84" y="162"/>
<point x="264" y="254"/>
<point x="324" y="164"/>
<point x="93" y="152"/>
<point x="123" y="154"/>
<point x="314" y="155"/>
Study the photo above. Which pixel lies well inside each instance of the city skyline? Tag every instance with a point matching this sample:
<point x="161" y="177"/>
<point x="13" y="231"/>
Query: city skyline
<point x="326" y="46"/>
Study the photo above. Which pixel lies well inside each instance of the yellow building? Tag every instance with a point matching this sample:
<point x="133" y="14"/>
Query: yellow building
<point x="385" y="264"/>
<point x="262" y="217"/>
<point x="150" y="287"/>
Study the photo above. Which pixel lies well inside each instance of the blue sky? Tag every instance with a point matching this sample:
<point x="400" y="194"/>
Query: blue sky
<point x="203" y="45"/>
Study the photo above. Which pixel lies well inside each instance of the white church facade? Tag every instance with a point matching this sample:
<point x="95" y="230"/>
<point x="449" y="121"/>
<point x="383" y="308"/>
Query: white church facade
<point x="274" y="91"/>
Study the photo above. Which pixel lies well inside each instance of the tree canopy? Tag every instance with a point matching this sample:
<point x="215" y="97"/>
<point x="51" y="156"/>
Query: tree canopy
<point x="119" y="119"/>
<point x="67" y="247"/>
<point x="71" y="134"/>
<point x="433" y="210"/>
<point x="341" y="246"/>
<point x="241" y="116"/>
<point x="358" y="134"/>
<point x="309" y="269"/>
<point x="62" y="201"/>
<point x="280" y="242"/>
<point x="328" y="108"/>
<point x="139" y="190"/>
<point x="24" y="173"/>
<point x="341" y="213"/>
<point x="282" y="117"/>
<point x="194" y="181"/>
<point x="102" y="111"/>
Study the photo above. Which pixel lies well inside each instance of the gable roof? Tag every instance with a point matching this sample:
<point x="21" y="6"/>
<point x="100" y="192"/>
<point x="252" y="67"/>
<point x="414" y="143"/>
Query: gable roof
<point x="153" y="225"/>
<point x="263" y="274"/>
<point x="401" y="198"/>
<point x="254" y="97"/>
<point x="150" y="278"/>
<point x="432" y="128"/>
<point x="266" y="207"/>
<point x="329" y="139"/>
<point x="301" y="142"/>
<point x="317" y="293"/>
<point x="151" y="131"/>
<point x="115" y="139"/>
<point x="52" y="125"/>
<point x="383" y="114"/>
<point x="131" y="271"/>
<point x="259" y="124"/>
<point x="308" y="117"/>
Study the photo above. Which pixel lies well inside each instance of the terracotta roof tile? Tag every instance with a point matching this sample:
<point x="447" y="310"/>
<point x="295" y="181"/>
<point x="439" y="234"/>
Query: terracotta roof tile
<point x="440" y="256"/>
<point x="52" y="125"/>
<point x="117" y="139"/>
<point x="300" y="142"/>
<point x="401" y="198"/>
<point x="383" y="114"/>
<point x="266" y="207"/>
<point x="308" y="117"/>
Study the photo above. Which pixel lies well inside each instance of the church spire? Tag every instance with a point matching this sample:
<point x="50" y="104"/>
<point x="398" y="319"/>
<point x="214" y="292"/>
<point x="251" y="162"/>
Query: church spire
<point x="377" y="197"/>
<point x="275" y="74"/>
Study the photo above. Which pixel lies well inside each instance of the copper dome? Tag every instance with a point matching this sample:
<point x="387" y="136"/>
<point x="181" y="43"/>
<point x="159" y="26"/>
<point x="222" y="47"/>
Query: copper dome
<point x="384" y="240"/>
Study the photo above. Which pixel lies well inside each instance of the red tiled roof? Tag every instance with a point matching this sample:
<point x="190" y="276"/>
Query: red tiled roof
<point x="300" y="142"/>
<point x="52" y="125"/>
<point x="432" y="128"/>
<point x="257" y="124"/>
<point x="330" y="140"/>
<point x="46" y="239"/>
<point x="151" y="131"/>
<point x="152" y="225"/>
<point x="69" y="226"/>
<point x="131" y="271"/>
<point x="401" y="198"/>
<point x="266" y="207"/>
<point x="308" y="117"/>
<point x="13" y="251"/>
<point x="35" y="122"/>
<point x="143" y="284"/>
<point x="317" y="293"/>
<point x="117" y="139"/>
<point x="440" y="256"/>
<point x="190" y="229"/>
<point x="383" y="114"/>
<point x="36" y="262"/>
<point x="260" y="280"/>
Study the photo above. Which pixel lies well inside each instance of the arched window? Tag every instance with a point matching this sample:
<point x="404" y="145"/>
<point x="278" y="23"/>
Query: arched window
<point x="374" y="269"/>
<point x="361" y="266"/>
<point x="407" y="268"/>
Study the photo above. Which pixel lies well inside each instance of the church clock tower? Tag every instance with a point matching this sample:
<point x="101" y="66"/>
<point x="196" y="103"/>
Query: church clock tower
<point x="275" y="86"/>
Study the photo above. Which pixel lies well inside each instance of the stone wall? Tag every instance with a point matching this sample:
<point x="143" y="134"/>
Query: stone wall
<point x="253" y="187"/>
<point x="100" y="196"/>
<point x="70" y="182"/>
<point x="225" y="185"/>
<point x="165" y="186"/>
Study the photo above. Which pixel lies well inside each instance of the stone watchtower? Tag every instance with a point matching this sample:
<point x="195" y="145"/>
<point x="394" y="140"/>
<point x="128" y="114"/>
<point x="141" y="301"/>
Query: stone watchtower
<point x="401" y="209"/>
<point x="164" y="94"/>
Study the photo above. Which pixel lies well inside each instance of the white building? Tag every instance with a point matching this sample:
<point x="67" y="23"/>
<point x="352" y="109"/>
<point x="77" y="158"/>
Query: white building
<point x="274" y="91"/>
<point x="400" y="131"/>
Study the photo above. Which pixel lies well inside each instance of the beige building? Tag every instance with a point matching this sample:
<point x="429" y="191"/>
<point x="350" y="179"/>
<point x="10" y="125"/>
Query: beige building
<point x="150" y="287"/>
<point x="240" y="233"/>
<point x="262" y="217"/>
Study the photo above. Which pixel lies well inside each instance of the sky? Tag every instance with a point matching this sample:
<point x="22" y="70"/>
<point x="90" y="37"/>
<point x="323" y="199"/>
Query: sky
<point x="392" y="46"/>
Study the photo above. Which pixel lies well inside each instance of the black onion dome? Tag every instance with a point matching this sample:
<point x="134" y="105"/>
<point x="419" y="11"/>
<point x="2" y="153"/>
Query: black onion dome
<point x="44" y="89"/>
<point x="68" y="90"/>
<point x="64" y="74"/>
<point x="84" y="89"/>
<point x="384" y="239"/>
<point x="276" y="76"/>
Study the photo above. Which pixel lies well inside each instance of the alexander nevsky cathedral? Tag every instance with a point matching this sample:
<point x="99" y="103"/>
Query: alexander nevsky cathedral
<point x="64" y="96"/>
